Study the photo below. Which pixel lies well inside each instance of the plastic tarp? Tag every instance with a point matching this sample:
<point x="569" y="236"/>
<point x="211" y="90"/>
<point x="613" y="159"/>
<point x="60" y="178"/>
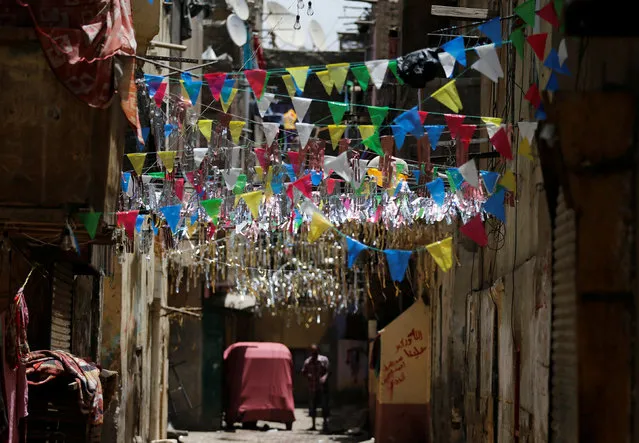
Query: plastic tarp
<point x="259" y="383"/>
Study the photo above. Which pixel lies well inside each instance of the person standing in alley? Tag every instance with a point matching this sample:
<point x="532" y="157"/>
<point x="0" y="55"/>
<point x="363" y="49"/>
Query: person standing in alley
<point x="316" y="371"/>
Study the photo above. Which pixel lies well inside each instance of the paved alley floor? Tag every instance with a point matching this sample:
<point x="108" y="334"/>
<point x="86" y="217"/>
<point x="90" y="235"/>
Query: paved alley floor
<point x="274" y="433"/>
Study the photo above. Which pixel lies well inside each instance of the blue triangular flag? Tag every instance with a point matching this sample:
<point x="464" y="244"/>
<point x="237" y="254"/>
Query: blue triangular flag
<point x="277" y="183"/>
<point x="155" y="229"/>
<point x="540" y="114"/>
<point x="437" y="191"/>
<point x="495" y="205"/>
<point x="126" y="179"/>
<point x="139" y="222"/>
<point x="153" y="82"/>
<point x="172" y="215"/>
<point x="434" y="134"/>
<point x="145" y="137"/>
<point x="490" y="180"/>
<point x="456" y="176"/>
<point x="399" y="134"/>
<point x="229" y="83"/>
<point x="456" y="48"/>
<point x="552" y="84"/>
<point x="353" y="248"/>
<point x="417" y="173"/>
<point x="397" y="262"/>
<point x="193" y="90"/>
<point x="552" y="62"/>
<point x="290" y="171"/>
<point x="492" y="30"/>
<point x="168" y="129"/>
<point x="316" y="177"/>
<point x="399" y="188"/>
<point x="194" y="218"/>
<point x="411" y="122"/>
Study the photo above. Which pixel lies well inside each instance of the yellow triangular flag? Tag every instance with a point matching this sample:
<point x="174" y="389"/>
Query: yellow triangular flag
<point x="319" y="225"/>
<point x="227" y="104"/>
<point x="206" y="128"/>
<point x="447" y="95"/>
<point x="290" y="85"/>
<point x="326" y="80"/>
<point x="336" y="132"/>
<point x="259" y="173"/>
<point x="137" y="160"/>
<point x="496" y="121"/>
<point x="366" y="131"/>
<point x="508" y="181"/>
<point x="168" y="159"/>
<point x="268" y="190"/>
<point x="338" y="72"/>
<point x="235" y="127"/>
<point x="185" y="94"/>
<point x="524" y="149"/>
<point x="191" y="229"/>
<point x="299" y="73"/>
<point x="442" y="252"/>
<point x="253" y="200"/>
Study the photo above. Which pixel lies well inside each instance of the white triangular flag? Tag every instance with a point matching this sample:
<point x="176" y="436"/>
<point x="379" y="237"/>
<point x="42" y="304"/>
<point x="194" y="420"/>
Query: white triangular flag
<point x="304" y="131"/>
<point x="146" y="179"/>
<point x="488" y="63"/>
<point x="377" y="70"/>
<point x="469" y="171"/>
<point x="562" y="52"/>
<point x="492" y="129"/>
<point x="301" y="106"/>
<point x="230" y="177"/>
<point x="198" y="156"/>
<point x="264" y="102"/>
<point x="270" y="131"/>
<point x="527" y="130"/>
<point x="448" y="63"/>
<point x="339" y="165"/>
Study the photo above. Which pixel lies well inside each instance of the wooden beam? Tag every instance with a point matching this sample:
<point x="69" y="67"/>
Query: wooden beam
<point x="460" y="13"/>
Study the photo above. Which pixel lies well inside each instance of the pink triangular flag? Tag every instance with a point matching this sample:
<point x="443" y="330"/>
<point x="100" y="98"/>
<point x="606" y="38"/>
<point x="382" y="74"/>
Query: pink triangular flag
<point x="474" y="230"/>
<point x="538" y="44"/>
<point x="127" y="220"/>
<point x="501" y="142"/>
<point x="159" y="94"/>
<point x="549" y="14"/>
<point x="179" y="188"/>
<point x="422" y="116"/>
<point x="295" y="157"/>
<point x="215" y="81"/>
<point x="305" y="185"/>
<point x="260" y="153"/>
<point x="330" y="185"/>
<point x="465" y="135"/>
<point x="454" y="121"/>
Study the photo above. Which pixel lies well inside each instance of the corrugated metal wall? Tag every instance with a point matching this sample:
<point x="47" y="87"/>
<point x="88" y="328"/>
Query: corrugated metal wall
<point x="62" y="306"/>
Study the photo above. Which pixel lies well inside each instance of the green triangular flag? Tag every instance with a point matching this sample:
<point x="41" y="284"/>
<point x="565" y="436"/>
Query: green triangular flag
<point x="517" y="38"/>
<point x="378" y="198"/>
<point x="212" y="207"/>
<point x="240" y="184"/>
<point x="378" y="114"/>
<point x="362" y="75"/>
<point x="90" y="221"/>
<point x="527" y="12"/>
<point x="374" y="144"/>
<point x="337" y="111"/>
<point x="392" y="65"/>
<point x="157" y="174"/>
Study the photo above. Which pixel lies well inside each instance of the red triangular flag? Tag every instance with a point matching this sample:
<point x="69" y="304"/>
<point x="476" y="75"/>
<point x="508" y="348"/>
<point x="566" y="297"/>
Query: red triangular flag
<point x="159" y="94"/>
<point x="454" y="121"/>
<point x="294" y="157"/>
<point x="330" y="185"/>
<point x="179" y="188"/>
<point x="289" y="190"/>
<point x="422" y="116"/>
<point x="538" y="44"/>
<point x="127" y="220"/>
<point x="501" y="142"/>
<point x="549" y="14"/>
<point x="475" y="231"/>
<point x="260" y="153"/>
<point x="256" y="79"/>
<point x="216" y="83"/>
<point x="533" y="96"/>
<point x="465" y="133"/>
<point x="190" y="176"/>
<point x="305" y="185"/>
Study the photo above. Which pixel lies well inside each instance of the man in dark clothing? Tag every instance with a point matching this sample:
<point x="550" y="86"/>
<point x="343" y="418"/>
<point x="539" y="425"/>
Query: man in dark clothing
<point x="316" y="370"/>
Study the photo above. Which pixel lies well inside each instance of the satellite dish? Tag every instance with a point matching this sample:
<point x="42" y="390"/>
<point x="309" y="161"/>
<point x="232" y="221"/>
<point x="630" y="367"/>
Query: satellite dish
<point x="317" y="34"/>
<point x="282" y="23"/>
<point x="241" y="9"/>
<point x="236" y="29"/>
